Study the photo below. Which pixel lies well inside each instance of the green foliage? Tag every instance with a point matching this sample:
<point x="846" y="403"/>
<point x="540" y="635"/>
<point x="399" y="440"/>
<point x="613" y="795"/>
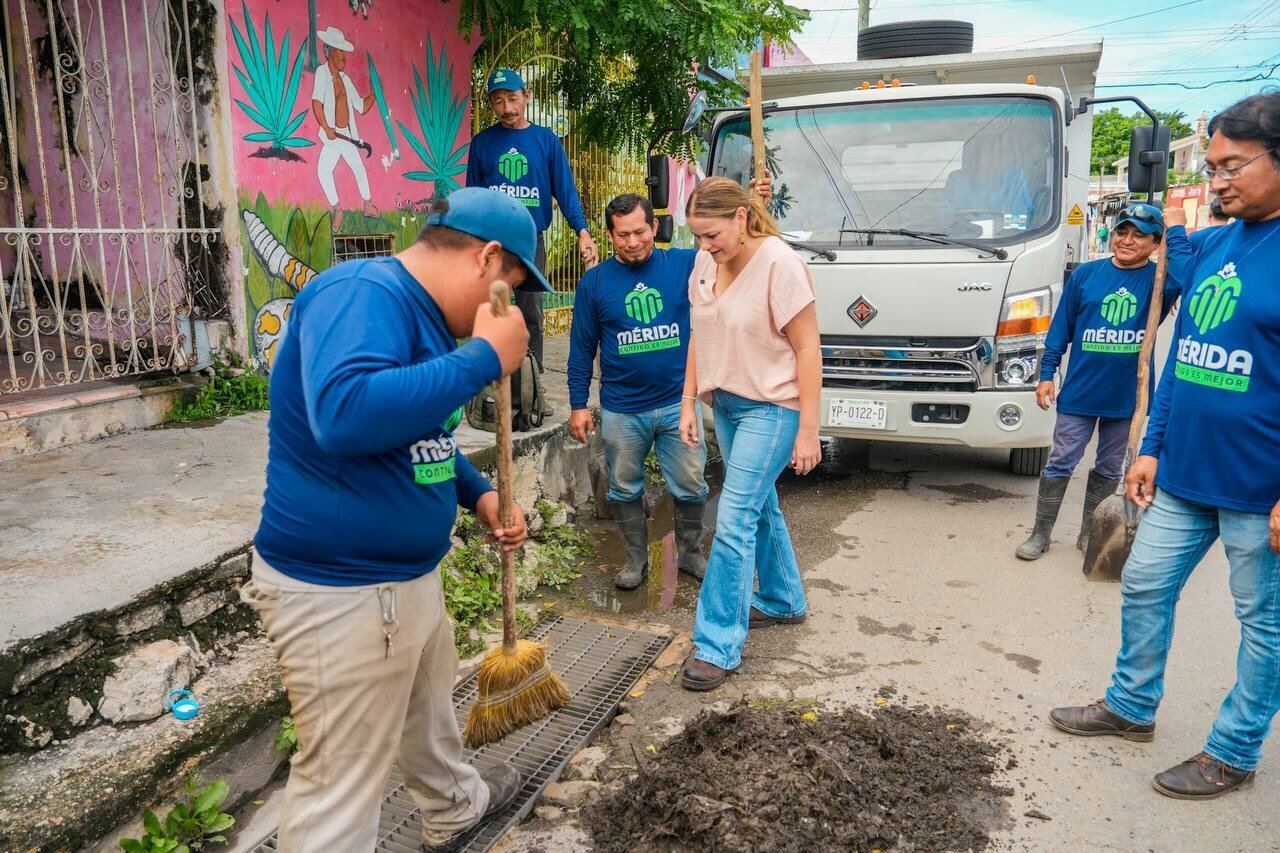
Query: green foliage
<point x="653" y="470"/>
<point x="1111" y="130"/>
<point x="627" y="68"/>
<point x="439" y="110"/>
<point x="1183" y="177"/>
<point x="271" y="81"/>
<point x="472" y="584"/>
<point x="232" y="391"/>
<point x="195" y="821"/>
<point x="287" y="739"/>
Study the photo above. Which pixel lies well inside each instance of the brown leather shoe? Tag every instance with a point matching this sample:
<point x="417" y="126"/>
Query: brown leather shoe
<point x="1201" y="777"/>
<point x="760" y="619"/>
<point x="1098" y="719"/>
<point x="700" y="675"/>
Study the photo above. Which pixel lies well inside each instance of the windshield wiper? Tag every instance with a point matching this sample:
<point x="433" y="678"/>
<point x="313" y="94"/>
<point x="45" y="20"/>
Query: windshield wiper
<point x="826" y="254"/>
<point x="931" y="236"/>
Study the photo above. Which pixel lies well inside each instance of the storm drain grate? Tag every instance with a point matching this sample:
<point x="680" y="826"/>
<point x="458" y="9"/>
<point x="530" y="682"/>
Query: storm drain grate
<point x="599" y="664"/>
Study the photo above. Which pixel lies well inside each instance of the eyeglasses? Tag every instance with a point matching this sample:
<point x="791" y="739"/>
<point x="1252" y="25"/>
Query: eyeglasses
<point x="1232" y="173"/>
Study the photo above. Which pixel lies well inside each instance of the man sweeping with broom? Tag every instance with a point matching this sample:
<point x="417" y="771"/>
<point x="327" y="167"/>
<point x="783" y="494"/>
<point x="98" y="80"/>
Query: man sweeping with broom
<point x="363" y="485"/>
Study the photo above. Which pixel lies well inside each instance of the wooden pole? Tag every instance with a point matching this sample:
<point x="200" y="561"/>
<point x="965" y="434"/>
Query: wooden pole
<point x="500" y="301"/>
<point x="755" y="88"/>
<point x="864" y="14"/>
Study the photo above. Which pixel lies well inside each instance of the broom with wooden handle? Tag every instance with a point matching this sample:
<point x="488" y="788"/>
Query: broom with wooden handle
<point x="516" y="686"/>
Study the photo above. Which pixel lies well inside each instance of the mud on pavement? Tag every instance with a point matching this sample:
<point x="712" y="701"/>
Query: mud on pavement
<point x="796" y="777"/>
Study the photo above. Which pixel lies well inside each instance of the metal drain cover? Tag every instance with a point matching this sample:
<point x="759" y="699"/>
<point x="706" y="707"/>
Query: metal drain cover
<point x="599" y="663"/>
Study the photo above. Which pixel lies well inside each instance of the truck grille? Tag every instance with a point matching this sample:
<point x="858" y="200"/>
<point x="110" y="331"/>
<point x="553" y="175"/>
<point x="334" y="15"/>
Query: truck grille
<point x="892" y="364"/>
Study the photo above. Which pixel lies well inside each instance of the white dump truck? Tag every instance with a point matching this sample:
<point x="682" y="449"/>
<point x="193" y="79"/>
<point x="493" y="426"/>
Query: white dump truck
<point x="939" y="202"/>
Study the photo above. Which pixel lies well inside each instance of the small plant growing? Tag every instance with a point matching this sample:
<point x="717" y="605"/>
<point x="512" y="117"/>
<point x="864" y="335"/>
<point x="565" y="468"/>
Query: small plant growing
<point x="196" y="820"/>
<point x="287" y="739"/>
<point x="231" y="391"/>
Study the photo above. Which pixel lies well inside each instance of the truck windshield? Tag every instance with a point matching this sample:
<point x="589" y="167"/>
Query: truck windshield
<point x="974" y="168"/>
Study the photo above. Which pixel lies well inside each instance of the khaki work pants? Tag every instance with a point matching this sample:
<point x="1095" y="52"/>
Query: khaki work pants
<point x="357" y="708"/>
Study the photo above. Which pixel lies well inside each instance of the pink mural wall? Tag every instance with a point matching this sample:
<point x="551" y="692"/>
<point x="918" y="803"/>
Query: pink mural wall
<point x="406" y="72"/>
<point x="347" y="118"/>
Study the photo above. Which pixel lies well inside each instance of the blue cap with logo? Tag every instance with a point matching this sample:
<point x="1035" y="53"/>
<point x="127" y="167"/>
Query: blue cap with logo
<point x="493" y="215"/>
<point x="504" y="79"/>
<point x="1147" y="218"/>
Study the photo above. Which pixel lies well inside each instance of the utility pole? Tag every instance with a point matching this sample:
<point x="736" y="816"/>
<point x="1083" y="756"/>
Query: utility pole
<point x="864" y="14"/>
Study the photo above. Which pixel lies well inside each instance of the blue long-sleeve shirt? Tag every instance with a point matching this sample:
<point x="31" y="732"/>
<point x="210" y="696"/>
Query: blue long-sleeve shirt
<point x="363" y="474"/>
<point x="530" y="166"/>
<point x="638" y="319"/>
<point x="1215" y="421"/>
<point x="1102" y="318"/>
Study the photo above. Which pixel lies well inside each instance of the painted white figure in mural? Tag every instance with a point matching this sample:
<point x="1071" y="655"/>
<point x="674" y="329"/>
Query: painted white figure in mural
<point x="335" y="108"/>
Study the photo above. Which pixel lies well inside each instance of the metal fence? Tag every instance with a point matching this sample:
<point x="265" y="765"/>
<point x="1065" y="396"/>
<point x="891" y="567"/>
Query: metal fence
<point x="600" y="173"/>
<point x="108" y="250"/>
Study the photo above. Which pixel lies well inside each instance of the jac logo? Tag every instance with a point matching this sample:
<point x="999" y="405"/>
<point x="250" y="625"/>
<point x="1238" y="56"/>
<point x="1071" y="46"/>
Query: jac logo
<point x="969" y="286"/>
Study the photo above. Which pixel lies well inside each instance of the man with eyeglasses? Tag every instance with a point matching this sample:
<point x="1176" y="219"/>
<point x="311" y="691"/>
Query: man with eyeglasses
<point x="1210" y="468"/>
<point x="1102" y="319"/>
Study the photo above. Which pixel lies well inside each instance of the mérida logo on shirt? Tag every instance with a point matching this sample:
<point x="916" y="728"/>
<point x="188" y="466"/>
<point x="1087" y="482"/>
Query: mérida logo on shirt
<point x="643" y="304"/>
<point x="1212" y="304"/>
<point x="1117" y="308"/>
<point x="434" y="458"/>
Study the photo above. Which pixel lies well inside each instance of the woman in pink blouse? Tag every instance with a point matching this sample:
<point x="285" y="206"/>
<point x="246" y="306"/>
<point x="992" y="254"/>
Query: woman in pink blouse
<point x="755" y="358"/>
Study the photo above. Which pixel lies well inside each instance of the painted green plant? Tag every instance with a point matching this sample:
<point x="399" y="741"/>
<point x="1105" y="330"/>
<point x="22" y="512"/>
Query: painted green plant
<point x="270" y="78"/>
<point x="439" y="110"/>
<point x="375" y="83"/>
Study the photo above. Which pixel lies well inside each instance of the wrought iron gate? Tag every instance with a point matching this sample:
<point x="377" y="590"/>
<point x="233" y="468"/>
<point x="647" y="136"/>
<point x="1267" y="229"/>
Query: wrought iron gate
<point x="109" y="252"/>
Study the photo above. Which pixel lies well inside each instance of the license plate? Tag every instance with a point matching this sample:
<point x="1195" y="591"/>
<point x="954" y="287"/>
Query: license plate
<point x="856" y="413"/>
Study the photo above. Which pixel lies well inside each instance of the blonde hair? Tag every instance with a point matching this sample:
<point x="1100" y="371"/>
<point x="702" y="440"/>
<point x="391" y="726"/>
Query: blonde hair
<point x="720" y="198"/>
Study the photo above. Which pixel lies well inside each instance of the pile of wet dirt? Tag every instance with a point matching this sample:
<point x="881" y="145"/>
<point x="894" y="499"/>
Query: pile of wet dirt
<point x="806" y="779"/>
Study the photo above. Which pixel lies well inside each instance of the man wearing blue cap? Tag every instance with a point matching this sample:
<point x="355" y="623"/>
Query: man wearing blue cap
<point x="363" y="485"/>
<point x="527" y="162"/>
<point x="1102" y="317"/>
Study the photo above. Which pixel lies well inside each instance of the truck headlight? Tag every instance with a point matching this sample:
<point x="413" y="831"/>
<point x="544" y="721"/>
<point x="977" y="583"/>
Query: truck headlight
<point x="1023" y="326"/>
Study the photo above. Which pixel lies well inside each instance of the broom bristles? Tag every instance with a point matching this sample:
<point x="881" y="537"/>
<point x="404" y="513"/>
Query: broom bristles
<point x="515" y="689"/>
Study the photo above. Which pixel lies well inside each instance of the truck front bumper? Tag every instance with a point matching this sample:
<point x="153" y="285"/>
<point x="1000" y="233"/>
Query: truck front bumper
<point x="910" y="418"/>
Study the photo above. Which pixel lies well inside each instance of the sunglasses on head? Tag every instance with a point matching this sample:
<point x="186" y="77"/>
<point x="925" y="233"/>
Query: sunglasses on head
<point x="1137" y="213"/>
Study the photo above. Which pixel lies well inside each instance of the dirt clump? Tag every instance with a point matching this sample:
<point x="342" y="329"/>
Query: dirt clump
<point x="795" y="778"/>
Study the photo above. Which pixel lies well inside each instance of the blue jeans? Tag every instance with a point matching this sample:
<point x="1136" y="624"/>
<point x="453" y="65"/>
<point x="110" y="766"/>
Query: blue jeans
<point x="756" y="440"/>
<point x="627" y="439"/>
<point x="1172" y="539"/>
<point x="1071" y="435"/>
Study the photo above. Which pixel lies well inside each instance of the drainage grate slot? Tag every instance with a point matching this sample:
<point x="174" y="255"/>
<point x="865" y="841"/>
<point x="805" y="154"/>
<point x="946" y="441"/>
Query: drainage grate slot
<point x="599" y="664"/>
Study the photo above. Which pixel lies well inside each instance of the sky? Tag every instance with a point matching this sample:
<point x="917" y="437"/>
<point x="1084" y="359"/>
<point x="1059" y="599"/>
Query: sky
<point x="1192" y="42"/>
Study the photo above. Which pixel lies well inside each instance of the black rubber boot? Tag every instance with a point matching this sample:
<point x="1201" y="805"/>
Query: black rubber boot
<point x="1048" y="502"/>
<point x="692" y="560"/>
<point x="634" y="529"/>
<point x="1098" y="489"/>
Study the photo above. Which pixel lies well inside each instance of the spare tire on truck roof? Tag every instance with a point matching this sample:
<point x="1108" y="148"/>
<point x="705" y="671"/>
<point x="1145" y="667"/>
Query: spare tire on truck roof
<point x="904" y="39"/>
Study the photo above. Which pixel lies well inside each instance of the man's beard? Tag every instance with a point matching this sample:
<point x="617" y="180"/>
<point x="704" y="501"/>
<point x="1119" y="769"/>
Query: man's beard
<point x="636" y="264"/>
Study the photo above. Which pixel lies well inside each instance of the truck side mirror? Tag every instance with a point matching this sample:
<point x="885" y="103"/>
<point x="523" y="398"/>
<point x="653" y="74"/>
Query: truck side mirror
<point x="1149" y="158"/>
<point x="666" y="228"/>
<point x="658" y="181"/>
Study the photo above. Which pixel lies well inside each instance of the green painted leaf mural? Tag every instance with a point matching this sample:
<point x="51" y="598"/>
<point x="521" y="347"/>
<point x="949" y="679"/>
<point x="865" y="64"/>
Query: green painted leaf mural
<point x="270" y="76"/>
<point x="439" y="110"/>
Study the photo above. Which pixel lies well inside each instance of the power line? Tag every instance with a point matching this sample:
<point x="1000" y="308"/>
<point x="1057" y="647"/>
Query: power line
<point x="1107" y="23"/>
<point x="1270" y="75"/>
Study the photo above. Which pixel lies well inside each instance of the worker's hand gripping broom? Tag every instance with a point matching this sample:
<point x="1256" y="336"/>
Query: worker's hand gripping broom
<point x="516" y="686"/>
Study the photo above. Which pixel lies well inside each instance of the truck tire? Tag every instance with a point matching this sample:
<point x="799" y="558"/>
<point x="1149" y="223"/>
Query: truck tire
<point x="915" y="38"/>
<point x="1028" y="461"/>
